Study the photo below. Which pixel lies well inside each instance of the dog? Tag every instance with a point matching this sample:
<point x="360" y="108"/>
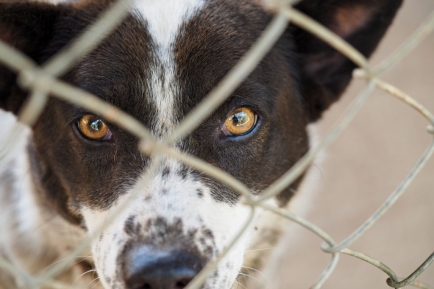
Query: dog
<point x="73" y="169"/>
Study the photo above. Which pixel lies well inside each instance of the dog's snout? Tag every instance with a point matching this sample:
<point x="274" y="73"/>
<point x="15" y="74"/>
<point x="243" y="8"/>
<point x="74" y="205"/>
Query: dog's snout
<point x="146" y="268"/>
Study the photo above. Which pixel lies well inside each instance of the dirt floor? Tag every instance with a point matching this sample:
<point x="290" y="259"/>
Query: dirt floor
<point x="363" y="167"/>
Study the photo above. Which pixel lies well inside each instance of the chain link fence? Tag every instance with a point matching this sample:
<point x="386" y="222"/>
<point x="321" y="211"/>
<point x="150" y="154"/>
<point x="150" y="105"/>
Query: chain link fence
<point x="41" y="81"/>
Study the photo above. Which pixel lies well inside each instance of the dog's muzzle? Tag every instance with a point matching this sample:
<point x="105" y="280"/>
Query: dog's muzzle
<point x="146" y="267"/>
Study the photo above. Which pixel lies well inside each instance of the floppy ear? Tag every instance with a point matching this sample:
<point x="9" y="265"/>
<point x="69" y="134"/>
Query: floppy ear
<point x="28" y="27"/>
<point x="325" y="73"/>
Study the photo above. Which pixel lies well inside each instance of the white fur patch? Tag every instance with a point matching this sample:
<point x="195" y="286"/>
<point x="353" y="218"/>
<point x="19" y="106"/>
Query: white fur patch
<point x="164" y="19"/>
<point x="172" y="198"/>
<point x="29" y="230"/>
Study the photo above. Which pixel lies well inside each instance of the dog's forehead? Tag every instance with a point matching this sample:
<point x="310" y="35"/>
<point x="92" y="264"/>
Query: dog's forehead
<point x="182" y="50"/>
<point x="163" y="20"/>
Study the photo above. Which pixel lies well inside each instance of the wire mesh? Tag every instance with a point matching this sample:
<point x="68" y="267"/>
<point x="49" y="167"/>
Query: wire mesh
<point x="41" y="81"/>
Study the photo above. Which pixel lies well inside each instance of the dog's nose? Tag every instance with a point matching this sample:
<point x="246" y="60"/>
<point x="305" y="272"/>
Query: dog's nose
<point x="145" y="268"/>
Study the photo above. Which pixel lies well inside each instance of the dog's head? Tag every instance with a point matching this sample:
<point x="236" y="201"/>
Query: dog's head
<point x="157" y="66"/>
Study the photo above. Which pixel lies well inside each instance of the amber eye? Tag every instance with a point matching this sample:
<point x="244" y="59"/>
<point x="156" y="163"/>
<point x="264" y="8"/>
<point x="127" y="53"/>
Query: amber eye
<point x="240" y="121"/>
<point x="93" y="128"/>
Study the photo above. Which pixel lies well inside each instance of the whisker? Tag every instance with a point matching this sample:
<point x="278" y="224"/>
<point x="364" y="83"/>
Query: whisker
<point x="239" y="284"/>
<point x="92" y="282"/>
<point x="60" y="260"/>
<point x="244" y="276"/>
<point x="256" y="279"/>
<point x="259" y="272"/>
<point x="245" y="279"/>
<point x="82" y="274"/>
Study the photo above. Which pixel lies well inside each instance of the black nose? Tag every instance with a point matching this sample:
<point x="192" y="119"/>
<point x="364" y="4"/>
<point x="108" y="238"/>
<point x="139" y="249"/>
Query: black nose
<point x="146" y="268"/>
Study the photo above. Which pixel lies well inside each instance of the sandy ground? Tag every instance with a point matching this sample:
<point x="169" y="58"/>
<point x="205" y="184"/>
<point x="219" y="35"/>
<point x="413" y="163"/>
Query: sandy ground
<point x="363" y="167"/>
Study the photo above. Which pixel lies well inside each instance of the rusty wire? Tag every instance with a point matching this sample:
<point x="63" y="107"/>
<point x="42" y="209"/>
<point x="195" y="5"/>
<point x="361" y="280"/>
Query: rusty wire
<point x="42" y="82"/>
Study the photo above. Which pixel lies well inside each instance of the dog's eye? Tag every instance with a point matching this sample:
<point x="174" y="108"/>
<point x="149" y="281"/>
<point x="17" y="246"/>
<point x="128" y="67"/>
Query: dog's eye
<point x="93" y="128"/>
<point x="240" y="121"/>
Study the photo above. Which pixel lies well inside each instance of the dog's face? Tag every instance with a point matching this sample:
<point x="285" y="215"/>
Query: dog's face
<point x="157" y="66"/>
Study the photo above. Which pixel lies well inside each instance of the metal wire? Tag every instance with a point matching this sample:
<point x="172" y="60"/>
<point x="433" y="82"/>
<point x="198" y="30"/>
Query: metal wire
<point x="42" y="82"/>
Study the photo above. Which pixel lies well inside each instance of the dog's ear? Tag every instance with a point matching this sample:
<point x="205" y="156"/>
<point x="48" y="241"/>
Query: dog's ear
<point x="325" y="73"/>
<point x="28" y="27"/>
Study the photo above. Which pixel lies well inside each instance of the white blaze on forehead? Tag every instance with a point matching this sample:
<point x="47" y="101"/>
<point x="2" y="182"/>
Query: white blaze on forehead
<point x="164" y="19"/>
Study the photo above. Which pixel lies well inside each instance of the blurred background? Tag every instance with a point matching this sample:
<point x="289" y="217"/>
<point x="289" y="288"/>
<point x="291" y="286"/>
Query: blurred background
<point x="360" y="170"/>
